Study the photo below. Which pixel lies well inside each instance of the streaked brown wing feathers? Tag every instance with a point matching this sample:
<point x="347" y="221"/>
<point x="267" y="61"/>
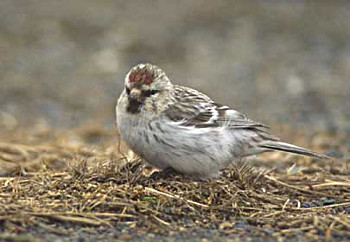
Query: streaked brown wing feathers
<point x="197" y="109"/>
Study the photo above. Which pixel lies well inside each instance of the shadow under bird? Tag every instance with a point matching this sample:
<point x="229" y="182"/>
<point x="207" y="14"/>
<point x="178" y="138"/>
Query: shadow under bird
<point x="177" y="127"/>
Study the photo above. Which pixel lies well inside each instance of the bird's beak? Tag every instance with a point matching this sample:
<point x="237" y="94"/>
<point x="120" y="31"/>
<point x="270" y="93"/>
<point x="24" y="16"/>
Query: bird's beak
<point x="135" y="94"/>
<point x="134" y="101"/>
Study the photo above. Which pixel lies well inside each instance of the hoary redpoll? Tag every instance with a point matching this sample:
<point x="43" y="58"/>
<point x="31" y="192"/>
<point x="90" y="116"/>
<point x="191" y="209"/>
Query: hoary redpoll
<point x="178" y="127"/>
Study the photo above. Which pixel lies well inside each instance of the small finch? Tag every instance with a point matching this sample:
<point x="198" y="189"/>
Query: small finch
<point x="177" y="127"/>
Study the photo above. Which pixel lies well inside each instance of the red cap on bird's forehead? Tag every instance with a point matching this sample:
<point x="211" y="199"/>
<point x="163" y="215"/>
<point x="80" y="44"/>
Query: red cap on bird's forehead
<point x="141" y="75"/>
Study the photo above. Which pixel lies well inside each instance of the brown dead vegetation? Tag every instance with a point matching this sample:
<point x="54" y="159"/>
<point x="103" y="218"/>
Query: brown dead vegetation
<point x="70" y="183"/>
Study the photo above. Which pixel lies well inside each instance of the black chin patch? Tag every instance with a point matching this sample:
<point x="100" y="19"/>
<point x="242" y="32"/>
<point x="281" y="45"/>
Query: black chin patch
<point x="133" y="106"/>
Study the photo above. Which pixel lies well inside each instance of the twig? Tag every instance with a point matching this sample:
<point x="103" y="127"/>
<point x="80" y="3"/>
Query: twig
<point x="296" y="188"/>
<point x="82" y="220"/>
<point x="85" y="214"/>
<point x="160" y="220"/>
<point x="345" y="184"/>
<point x="151" y="190"/>
<point x="323" y="207"/>
<point x="342" y="222"/>
<point x="285" y="231"/>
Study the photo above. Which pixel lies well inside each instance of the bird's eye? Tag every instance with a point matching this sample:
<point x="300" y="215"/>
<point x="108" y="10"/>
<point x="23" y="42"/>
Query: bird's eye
<point x="127" y="90"/>
<point x="148" y="93"/>
<point x="154" y="92"/>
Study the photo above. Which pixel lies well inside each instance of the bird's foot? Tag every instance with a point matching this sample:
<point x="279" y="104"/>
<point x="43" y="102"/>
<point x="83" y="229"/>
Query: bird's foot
<point x="167" y="172"/>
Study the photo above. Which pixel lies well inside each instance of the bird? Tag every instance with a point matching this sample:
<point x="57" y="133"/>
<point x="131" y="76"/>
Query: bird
<point x="179" y="128"/>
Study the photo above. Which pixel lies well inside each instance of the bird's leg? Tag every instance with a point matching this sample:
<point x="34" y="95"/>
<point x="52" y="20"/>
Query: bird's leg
<point x="167" y="172"/>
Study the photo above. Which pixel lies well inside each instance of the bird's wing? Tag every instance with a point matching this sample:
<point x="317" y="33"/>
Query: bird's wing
<point x="193" y="108"/>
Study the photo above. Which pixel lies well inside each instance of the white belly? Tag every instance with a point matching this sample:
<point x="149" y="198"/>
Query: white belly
<point x="199" y="152"/>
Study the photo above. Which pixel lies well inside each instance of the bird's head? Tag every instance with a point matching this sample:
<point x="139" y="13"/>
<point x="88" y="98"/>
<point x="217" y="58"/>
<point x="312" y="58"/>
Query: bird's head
<point x="146" y="86"/>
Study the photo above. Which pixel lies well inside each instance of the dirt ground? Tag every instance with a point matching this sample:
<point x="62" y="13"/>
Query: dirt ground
<point x="81" y="185"/>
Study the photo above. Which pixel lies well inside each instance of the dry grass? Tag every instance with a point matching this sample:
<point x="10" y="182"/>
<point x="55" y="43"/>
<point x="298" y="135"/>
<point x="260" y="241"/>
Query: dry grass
<point x="76" y="183"/>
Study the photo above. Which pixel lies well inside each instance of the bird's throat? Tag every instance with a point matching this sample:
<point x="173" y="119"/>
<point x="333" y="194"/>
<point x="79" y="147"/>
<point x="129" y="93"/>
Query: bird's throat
<point x="133" y="106"/>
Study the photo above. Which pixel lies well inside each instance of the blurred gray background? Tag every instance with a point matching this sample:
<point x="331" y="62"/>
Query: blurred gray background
<point x="62" y="63"/>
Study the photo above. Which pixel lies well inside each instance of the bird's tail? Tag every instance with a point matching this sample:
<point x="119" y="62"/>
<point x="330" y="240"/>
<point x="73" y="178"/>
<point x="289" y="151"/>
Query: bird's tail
<point x="285" y="147"/>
